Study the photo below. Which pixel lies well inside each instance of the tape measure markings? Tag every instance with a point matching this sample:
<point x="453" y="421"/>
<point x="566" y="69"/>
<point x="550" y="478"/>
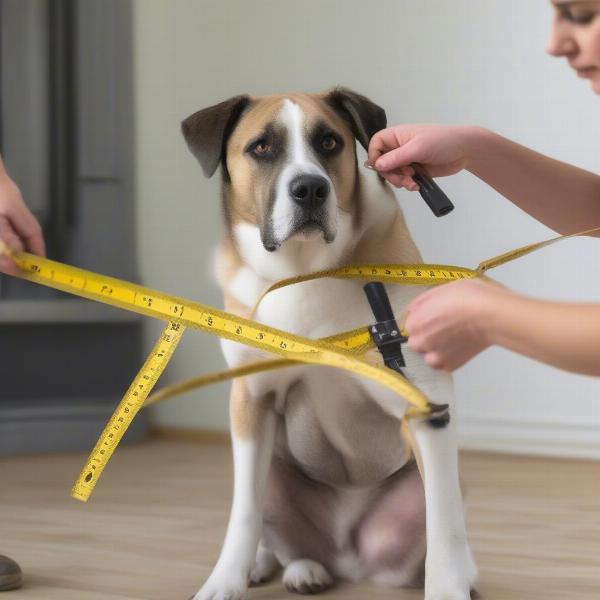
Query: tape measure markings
<point x="127" y="409"/>
<point x="356" y="340"/>
<point x="401" y="274"/>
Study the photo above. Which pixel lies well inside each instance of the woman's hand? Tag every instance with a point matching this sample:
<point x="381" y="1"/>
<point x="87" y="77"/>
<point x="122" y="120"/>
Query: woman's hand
<point x="451" y="323"/>
<point x="442" y="149"/>
<point x="19" y="229"/>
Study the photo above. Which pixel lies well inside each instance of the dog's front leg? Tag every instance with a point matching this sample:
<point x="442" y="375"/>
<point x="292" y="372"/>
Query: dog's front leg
<point x="449" y="569"/>
<point x="253" y="433"/>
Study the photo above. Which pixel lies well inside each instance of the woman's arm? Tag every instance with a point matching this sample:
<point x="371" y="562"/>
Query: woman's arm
<point x="452" y="323"/>
<point x="565" y="335"/>
<point x="563" y="197"/>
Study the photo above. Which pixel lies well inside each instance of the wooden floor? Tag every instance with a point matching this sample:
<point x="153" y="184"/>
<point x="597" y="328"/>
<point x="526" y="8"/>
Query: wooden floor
<point x="155" y="524"/>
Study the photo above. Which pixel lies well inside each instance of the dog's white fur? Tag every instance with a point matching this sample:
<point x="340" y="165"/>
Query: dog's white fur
<point x="315" y="309"/>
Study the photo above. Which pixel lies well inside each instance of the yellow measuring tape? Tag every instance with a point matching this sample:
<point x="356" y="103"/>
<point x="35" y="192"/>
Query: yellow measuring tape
<point x="359" y="340"/>
<point x="186" y="313"/>
<point x="340" y="351"/>
<point x="125" y="412"/>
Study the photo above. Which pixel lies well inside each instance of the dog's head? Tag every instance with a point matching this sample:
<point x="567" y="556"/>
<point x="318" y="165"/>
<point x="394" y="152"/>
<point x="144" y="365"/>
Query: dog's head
<point x="289" y="170"/>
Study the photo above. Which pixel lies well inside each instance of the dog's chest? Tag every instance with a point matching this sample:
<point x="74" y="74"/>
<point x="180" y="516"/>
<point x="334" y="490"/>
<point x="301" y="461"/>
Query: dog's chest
<point x="324" y="307"/>
<point x="332" y="427"/>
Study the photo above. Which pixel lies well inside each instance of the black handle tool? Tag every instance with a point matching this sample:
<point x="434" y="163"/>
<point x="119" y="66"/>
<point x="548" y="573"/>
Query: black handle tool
<point x="431" y="192"/>
<point x="388" y="339"/>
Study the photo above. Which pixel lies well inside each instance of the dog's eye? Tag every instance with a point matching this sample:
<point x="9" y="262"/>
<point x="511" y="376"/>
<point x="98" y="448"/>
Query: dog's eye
<point x="329" y="143"/>
<point x="260" y="148"/>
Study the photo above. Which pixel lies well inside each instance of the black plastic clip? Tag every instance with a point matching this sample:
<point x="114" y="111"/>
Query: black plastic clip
<point x="431" y="192"/>
<point x="439" y="416"/>
<point x="385" y="333"/>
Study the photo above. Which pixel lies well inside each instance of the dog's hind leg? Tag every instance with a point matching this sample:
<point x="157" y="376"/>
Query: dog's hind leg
<point x="265" y="567"/>
<point x="298" y="515"/>
<point x="253" y="426"/>
<point x="390" y="538"/>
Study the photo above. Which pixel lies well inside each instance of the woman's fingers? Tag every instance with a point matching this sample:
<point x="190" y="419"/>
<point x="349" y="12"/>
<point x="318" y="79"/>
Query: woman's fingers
<point x="398" y="157"/>
<point x="28" y="229"/>
<point x="383" y="141"/>
<point x="12" y="241"/>
<point x="401" y="181"/>
<point x="8" y="266"/>
<point x="9" y="236"/>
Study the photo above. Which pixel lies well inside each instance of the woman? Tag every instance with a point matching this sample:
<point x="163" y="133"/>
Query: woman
<point x="452" y="323"/>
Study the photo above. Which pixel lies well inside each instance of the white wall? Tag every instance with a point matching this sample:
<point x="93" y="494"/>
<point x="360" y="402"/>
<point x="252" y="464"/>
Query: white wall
<point x="424" y="61"/>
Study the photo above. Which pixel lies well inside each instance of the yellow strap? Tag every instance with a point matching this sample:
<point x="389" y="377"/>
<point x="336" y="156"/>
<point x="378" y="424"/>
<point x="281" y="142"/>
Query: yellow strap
<point x="402" y="274"/>
<point x="416" y="274"/>
<point x="356" y="340"/>
<point x="125" y="412"/>
<point x="359" y="340"/>
<point x="492" y="263"/>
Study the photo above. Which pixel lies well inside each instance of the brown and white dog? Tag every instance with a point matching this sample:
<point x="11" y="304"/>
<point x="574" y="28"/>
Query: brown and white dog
<point x="324" y="486"/>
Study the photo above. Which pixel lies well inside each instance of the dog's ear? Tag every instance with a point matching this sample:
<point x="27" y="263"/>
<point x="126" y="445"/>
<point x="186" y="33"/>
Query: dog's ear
<point x="207" y="131"/>
<point x="364" y="117"/>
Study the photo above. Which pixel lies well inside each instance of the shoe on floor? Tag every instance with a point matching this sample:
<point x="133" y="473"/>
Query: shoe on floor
<point x="11" y="577"/>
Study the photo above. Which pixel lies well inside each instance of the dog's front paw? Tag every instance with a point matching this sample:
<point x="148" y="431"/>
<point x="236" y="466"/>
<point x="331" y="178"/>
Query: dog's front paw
<point x="306" y="577"/>
<point x="449" y="586"/>
<point x="226" y="587"/>
<point x="448" y="594"/>
<point x="450" y="576"/>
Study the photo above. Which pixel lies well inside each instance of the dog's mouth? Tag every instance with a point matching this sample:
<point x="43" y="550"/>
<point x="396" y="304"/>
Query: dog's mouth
<point x="310" y="228"/>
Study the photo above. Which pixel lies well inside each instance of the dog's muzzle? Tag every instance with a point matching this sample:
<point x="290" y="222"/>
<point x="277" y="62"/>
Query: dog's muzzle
<point x="309" y="194"/>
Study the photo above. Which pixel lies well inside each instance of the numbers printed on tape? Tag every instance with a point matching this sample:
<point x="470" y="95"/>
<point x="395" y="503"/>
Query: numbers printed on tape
<point x="129" y="406"/>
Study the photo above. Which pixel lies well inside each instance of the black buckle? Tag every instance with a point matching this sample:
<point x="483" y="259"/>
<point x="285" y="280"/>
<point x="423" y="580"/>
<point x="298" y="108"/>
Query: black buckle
<point x="385" y="333"/>
<point x="389" y="340"/>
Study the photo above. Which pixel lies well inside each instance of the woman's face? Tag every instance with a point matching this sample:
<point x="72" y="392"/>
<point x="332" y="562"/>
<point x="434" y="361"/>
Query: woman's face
<point x="575" y="34"/>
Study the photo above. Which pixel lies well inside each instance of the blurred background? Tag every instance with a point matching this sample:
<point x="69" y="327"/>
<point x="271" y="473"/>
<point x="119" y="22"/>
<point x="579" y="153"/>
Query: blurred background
<point x="91" y="97"/>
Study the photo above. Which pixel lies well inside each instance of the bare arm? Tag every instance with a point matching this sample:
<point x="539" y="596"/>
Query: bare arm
<point x="563" y="197"/>
<point x="565" y="335"/>
<point x="452" y="323"/>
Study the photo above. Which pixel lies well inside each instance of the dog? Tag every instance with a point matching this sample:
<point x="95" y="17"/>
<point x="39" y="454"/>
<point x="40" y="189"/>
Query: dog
<point x="324" y="484"/>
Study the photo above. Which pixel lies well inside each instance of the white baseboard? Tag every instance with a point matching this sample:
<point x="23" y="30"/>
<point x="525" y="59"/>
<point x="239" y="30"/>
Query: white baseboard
<point x="569" y="439"/>
<point x="58" y="426"/>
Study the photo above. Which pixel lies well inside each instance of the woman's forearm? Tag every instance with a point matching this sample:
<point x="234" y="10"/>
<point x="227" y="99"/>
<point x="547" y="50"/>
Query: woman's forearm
<point x="565" y="335"/>
<point x="563" y="197"/>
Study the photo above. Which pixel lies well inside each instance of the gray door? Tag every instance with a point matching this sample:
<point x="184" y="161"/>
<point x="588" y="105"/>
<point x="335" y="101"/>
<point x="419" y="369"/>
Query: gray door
<point x="66" y="136"/>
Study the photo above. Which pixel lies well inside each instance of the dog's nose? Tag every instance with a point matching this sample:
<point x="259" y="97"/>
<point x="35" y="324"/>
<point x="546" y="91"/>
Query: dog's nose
<point x="309" y="191"/>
